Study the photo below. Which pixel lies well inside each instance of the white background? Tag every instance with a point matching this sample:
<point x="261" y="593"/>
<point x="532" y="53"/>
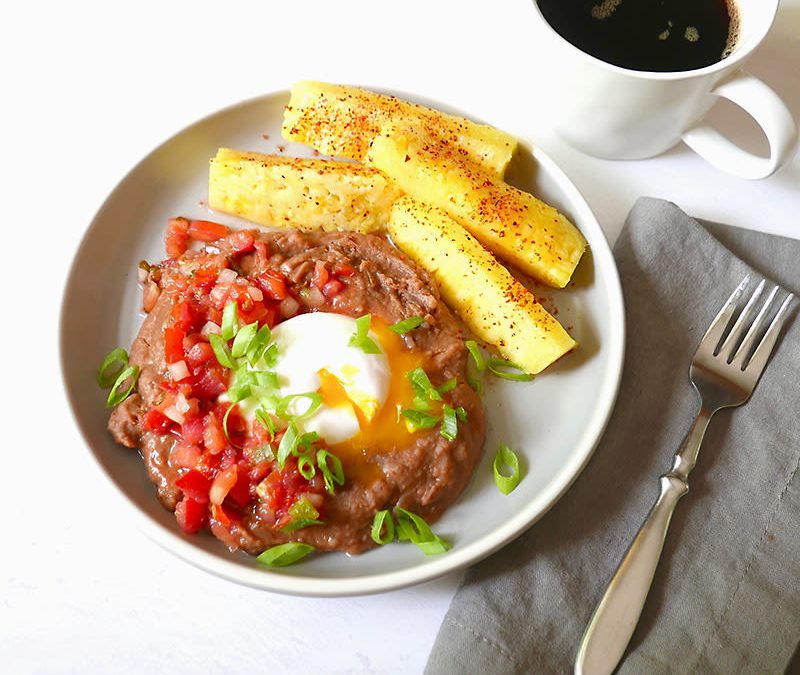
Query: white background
<point x="89" y="90"/>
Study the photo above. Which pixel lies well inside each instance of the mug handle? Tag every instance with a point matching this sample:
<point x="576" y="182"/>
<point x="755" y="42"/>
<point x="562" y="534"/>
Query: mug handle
<point x="769" y="112"/>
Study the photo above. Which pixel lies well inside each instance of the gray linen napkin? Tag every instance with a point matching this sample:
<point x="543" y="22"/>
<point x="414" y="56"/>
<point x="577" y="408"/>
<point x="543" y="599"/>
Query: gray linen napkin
<point x="726" y="597"/>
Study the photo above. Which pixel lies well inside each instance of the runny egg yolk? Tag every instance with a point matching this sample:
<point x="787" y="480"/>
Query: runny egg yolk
<point x="386" y="430"/>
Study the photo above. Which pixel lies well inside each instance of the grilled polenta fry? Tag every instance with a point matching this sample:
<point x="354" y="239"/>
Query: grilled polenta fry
<point x="342" y="121"/>
<point x="492" y="303"/>
<point x="514" y="224"/>
<point x="309" y="194"/>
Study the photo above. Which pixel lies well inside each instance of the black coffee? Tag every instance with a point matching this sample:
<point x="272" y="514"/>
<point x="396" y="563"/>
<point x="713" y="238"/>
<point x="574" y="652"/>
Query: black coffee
<point x="655" y="35"/>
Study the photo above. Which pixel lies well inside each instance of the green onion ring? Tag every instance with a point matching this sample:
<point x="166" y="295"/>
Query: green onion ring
<point x="416" y="420"/>
<point x="267" y="422"/>
<point x="288" y="443"/>
<point x="105" y="378"/>
<point x="285" y="554"/>
<point x="244" y="337"/>
<point x="360" y="339"/>
<point x="413" y="528"/>
<point x="506" y="458"/>
<point x="407" y="325"/>
<point x="383" y="519"/>
<point x="230" y="320"/>
<point x="314" y="402"/>
<point x="115" y="396"/>
<point x="225" y="426"/>
<point x="331" y="477"/>
<point x="449" y="428"/>
<point x="448" y="386"/>
<point x="474" y="350"/>
<point x="221" y="351"/>
<point x="421" y="383"/>
<point x="306" y="468"/>
<point x="259" y="344"/>
<point x="498" y="367"/>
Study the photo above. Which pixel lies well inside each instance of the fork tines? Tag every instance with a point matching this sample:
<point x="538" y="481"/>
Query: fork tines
<point x="750" y="341"/>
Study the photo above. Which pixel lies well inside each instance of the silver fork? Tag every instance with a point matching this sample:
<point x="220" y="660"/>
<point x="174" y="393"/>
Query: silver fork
<point x="724" y="371"/>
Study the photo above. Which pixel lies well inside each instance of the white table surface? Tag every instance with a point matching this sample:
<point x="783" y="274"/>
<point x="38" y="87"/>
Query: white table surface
<point x="93" y="88"/>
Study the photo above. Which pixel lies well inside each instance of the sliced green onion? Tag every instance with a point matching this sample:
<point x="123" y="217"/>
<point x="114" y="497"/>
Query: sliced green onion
<point x="288" y="443"/>
<point x="449" y="423"/>
<point x="506" y="459"/>
<point x="422" y="384"/>
<point x="267" y="422"/>
<point x="314" y="402"/>
<point x="360" y="339"/>
<point x="225" y="425"/>
<point x="308" y="439"/>
<point x="230" y="320"/>
<point x="244" y="338"/>
<point x="508" y="370"/>
<point x="331" y="475"/>
<point x="475" y="351"/>
<point x="285" y="554"/>
<point x="106" y="377"/>
<point x="266" y="378"/>
<point x="117" y="395"/>
<point x="270" y="356"/>
<point x="461" y="414"/>
<point x="476" y="384"/>
<point x="407" y="325"/>
<point x="258" y="344"/>
<point x="240" y="388"/>
<point x="221" y="351"/>
<point x="448" y="386"/>
<point x="305" y="465"/>
<point x="303" y="514"/>
<point x="383" y="520"/>
<point x="417" y="419"/>
<point x="413" y="528"/>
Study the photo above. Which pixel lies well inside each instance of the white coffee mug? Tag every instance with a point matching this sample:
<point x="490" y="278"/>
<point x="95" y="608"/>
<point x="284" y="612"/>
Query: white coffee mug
<point x="616" y="113"/>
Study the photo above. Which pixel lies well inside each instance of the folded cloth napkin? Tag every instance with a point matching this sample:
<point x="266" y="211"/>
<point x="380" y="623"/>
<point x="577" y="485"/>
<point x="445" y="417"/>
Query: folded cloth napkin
<point x="726" y="596"/>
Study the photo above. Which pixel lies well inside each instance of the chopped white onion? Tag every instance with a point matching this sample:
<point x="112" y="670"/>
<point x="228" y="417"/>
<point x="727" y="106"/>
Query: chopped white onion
<point x="209" y="328"/>
<point x="226" y="276"/>
<point x="255" y="293"/>
<point x="150" y="296"/>
<point x="178" y="370"/>
<point x="314" y="298"/>
<point x="218" y="293"/>
<point x="288" y="307"/>
<point x="181" y="404"/>
<point x="174" y="414"/>
<point x="143" y="274"/>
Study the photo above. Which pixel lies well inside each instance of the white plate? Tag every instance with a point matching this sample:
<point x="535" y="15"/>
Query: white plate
<point x="553" y="422"/>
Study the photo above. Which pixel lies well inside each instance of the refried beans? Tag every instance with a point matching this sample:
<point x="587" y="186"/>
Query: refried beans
<point x="214" y="466"/>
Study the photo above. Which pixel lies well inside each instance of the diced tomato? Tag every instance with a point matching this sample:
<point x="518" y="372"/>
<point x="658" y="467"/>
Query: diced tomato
<point x="209" y="381"/>
<point x="191" y="515"/>
<point x="192" y="430"/>
<point x="173" y="343"/>
<point x="184" y="455"/>
<point x="242" y="241"/>
<point x="213" y="435"/>
<point x="195" y="484"/>
<point x="183" y="315"/>
<point x="320" y="275"/>
<point x="333" y="287"/>
<point x="208" y="465"/>
<point x="205" y="230"/>
<point x="273" y="283"/>
<point x="222" y="484"/>
<point x="155" y="420"/>
<point x="342" y="270"/>
<point x="220" y="515"/>
<point x="199" y="353"/>
<point x="177" y="237"/>
<point x="239" y="494"/>
<point x="259" y="312"/>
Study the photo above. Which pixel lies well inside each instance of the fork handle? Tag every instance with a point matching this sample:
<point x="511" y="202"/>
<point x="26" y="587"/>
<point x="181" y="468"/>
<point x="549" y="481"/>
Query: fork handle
<point x="613" y="622"/>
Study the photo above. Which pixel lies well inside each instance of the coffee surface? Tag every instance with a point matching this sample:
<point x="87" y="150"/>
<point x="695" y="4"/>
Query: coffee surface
<point x="649" y="35"/>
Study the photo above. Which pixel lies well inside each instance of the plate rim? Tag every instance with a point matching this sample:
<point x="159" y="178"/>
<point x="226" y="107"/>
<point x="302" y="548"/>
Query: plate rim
<point x="455" y="560"/>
